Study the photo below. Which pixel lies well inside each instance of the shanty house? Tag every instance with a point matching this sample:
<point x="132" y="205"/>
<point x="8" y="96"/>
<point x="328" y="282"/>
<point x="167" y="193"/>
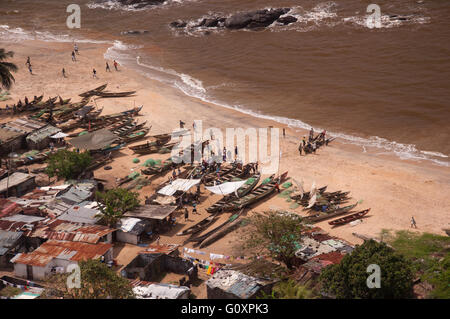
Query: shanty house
<point x="17" y="184"/>
<point x="40" y="138"/>
<point x="9" y="242"/>
<point x="156" y="260"/>
<point x="53" y="256"/>
<point x="155" y="216"/>
<point x="232" y="284"/>
<point x="80" y="214"/>
<point x="13" y="133"/>
<point x="131" y="230"/>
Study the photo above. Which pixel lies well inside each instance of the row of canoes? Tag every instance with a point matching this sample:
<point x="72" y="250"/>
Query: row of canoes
<point x="99" y="91"/>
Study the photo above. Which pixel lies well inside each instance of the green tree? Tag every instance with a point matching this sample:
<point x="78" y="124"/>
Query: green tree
<point x="349" y="278"/>
<point x="97" y="281"/>
<point x="289" y="290"/>
<point x="6" y="68"/>
<point x="67" y="164"/>
<point x="277" y="233"/>
<point x="115" y="203"/>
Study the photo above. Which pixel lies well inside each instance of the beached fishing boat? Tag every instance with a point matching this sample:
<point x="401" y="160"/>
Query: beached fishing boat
<point x="209" y="178"/>
<point x="159" y="168"/>
<point x="262" y="191"/>
<point x="201" y="225"/>
<point x="128" y="129"/>
<point x="238" y="173"/>
<point x="118" y="94"/>
<point x="242" y="191"/>
<point x="148" y="147"/>
<point x="93" y="114"/>
<point x="318" y="217"/>
<point x="94" y="91"/>
<point x="347" y="219"/>
<point x="110" y="122"/>
<point x="137" y="135"/>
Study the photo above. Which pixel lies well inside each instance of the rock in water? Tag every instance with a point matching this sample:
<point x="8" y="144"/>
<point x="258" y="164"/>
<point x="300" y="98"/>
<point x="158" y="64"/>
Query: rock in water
<point x="178" y="24"/>
<point x="254" y="19"/>
<point x="287" y="20"/>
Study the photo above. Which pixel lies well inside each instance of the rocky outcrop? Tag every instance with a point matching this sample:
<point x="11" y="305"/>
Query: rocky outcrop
<point x="243" y="20"/>
<point x="287" y="20"/>
<point x="141" y="3"/>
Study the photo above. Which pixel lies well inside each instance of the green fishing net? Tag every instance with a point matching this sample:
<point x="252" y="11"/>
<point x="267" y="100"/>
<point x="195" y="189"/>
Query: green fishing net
<point x="287" y="185"/>
<point x="233" y="217"/>
<point x="151" y="162"/>
<point x="267" y="180"/>
<point x="134" y="175"/>
<point x="136" y="160"/>
<point x="250" y="181"/>
<point x="82" y="133"/>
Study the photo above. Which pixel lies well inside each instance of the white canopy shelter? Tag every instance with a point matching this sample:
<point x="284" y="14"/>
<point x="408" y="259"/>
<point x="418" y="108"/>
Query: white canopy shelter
<point x="226" y="188"/>
<point x="178" y="185"/>
<point x="59" y="135"/>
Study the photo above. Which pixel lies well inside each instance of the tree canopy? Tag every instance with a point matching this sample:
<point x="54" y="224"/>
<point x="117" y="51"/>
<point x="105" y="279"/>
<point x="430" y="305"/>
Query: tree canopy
<point x="6" y="68"/>
<point x="97" y="281"/>
<point x="67" y="164"/>
<point x="349" y="278"/>
<point x="115" y="203"/>
<point x="276" y="233"/>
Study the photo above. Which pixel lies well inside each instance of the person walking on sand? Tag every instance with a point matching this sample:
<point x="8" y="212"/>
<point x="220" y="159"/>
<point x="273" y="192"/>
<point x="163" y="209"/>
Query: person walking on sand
<point x="311" y="134"/>
<point x="300" y="148"/>
<point x="94" y="73"/>
<point x="64" y="73"/>
<point x="115" y="65"/>
<point x="186" y="214"/>
<point x="413" y="222"/>
<point x="73" y="56"/>
<point x="194" y="209"/>
<point x="30" y="69"/>
<point x="107" y="67"/>
<point x="28" y="62"/>
<point x="75" y="48"/>
<point x="284" y="132"/>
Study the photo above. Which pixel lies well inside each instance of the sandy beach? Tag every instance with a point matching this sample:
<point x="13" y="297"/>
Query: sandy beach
<point x="394" y="189"/>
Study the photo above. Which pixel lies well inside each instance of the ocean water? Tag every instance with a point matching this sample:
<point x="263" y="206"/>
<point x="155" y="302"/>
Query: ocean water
<point x="386" y="88"/>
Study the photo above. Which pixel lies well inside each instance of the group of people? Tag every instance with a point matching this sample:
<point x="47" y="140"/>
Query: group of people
<point x="307" y="147"/>
<point x="75" y="52"/>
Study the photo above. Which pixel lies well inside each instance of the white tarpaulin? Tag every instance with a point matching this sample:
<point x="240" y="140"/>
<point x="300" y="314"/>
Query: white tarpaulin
<point x="178" y="185"/>
<point x="225" y="188"/>
<point x="59" y="135"/>
<point x="128" y="224"/>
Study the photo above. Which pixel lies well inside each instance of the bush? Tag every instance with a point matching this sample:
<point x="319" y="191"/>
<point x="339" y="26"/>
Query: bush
<point x="116" y="202"/>
<point x="349" y="278"/>
<point x="67" y="164"/>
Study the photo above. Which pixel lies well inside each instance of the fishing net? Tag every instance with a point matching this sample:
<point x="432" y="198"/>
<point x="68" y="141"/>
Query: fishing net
<point x="267" y="180"/>
<point x="294" y="205"/>
<point x="250" y="181"/>
<point x="285" y="194"/>
<point x="151" y="162"/>
<point x="287" y="185"/>
<point x="136" y="160"/>
<point x="134" y="175"/>
<point x="82" y="133"/>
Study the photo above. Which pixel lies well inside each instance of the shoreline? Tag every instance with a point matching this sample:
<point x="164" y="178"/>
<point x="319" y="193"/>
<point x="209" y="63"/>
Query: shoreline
<point x="394" y="189"/>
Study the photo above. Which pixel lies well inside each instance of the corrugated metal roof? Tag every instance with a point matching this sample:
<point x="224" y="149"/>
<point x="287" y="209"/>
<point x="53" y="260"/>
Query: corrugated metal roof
<point x="235" y="282"/>
<point x="76" y="195"/>
<point x="15" y="179"/>
<point x="8" y="239"/>
<point x="160" y="249"/>
<point x="79" y="214"/>
<point x="151" y="211"/>
<point x="23" y="218"/>
<point x="74" y="251"/>
<point x="8" y="207"/>
<point x="42" y="133"/>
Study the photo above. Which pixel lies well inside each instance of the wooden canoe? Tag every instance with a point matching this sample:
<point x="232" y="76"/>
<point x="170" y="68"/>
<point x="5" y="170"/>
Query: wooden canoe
<point x="242" y="191"/>
<point x="239" y="173"/>
<point x="347" y="219"/>
<point x="137" y="135"/>
<point x="201" y="225"/>
<point x="158" y="169"/>
<point x="259" y="193"/>
<point x="329" y="214"/>
<point x="94" y="91"/>
<point x="118" y="94"/>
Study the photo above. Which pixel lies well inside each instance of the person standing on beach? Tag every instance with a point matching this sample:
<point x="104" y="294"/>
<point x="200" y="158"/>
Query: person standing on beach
<point x="75" y="48"/>
<point x="73" y="56"/>
<point x="186" y="214"/>
<point x="115" y="65"/>
<point x="64" y="73"/>
<point x="311" y="134"/>
<point x="107" y="67"/>
<point x="300" y="148"/>
<point x="94" y="73"/>
<point x="236" y="152"/>
<point x="28" y="62"/>
<point x="30" y="69"/>
<point x="284" y="132"/>
<point x="413" y="222"/>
